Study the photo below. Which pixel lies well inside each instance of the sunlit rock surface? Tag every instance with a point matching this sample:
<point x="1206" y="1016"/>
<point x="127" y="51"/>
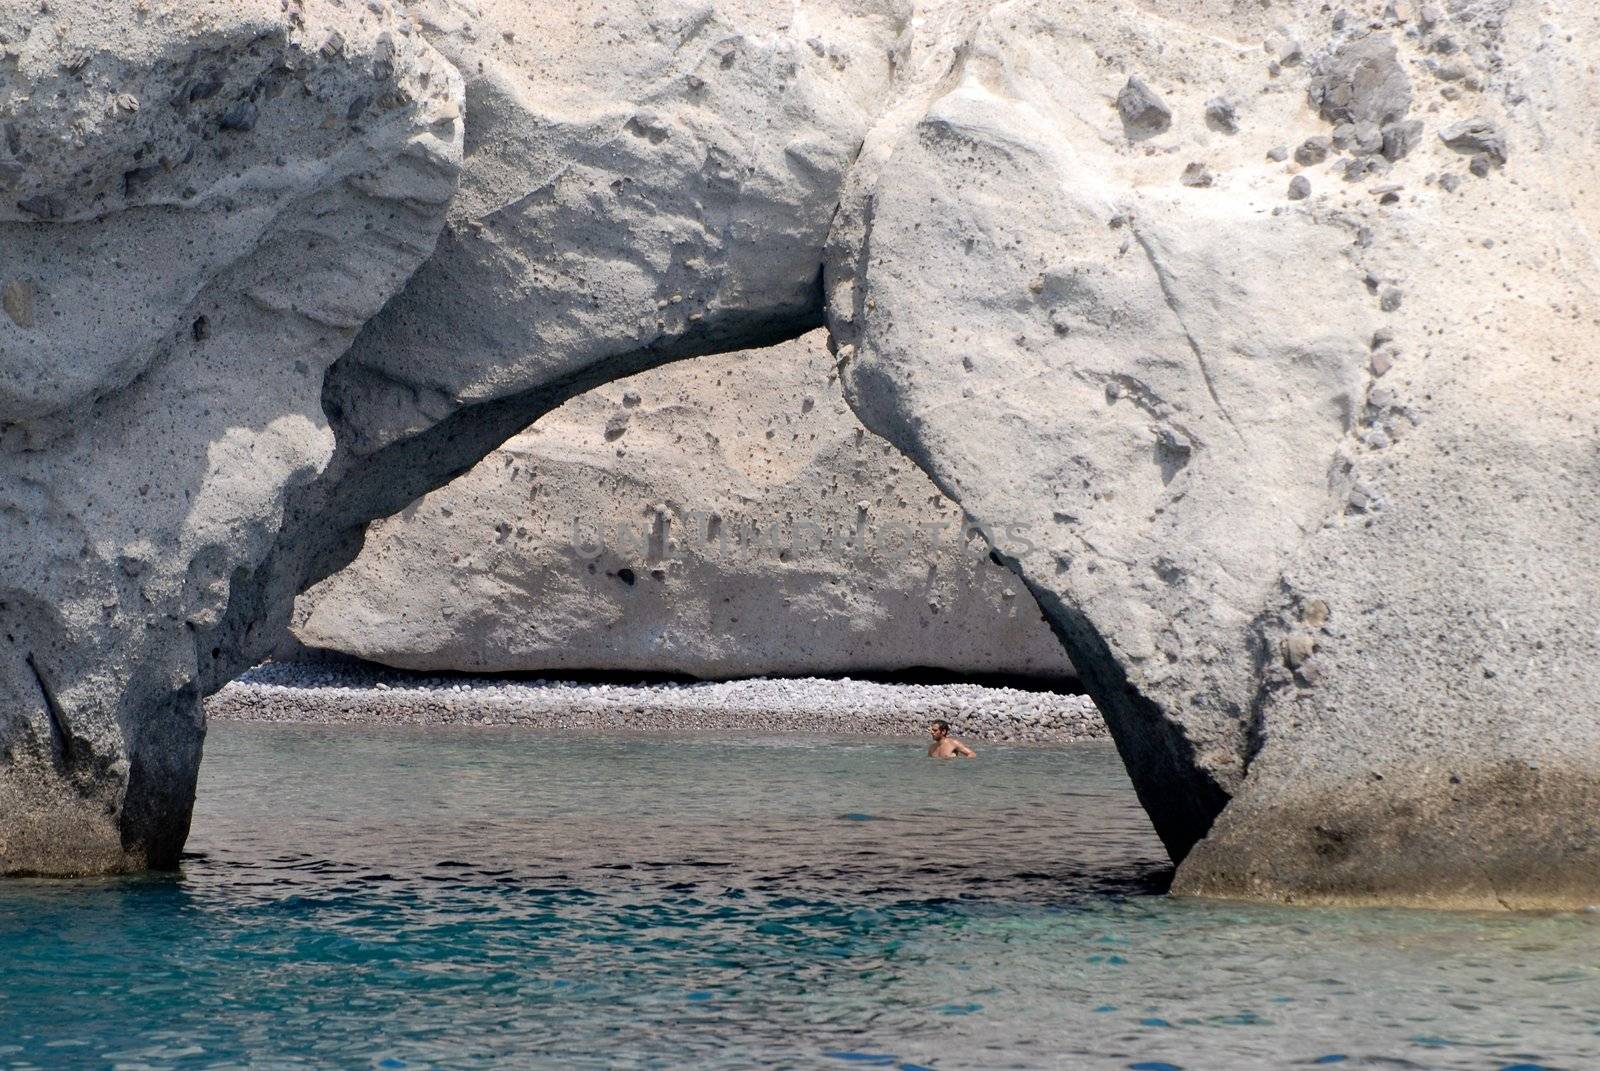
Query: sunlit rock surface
<point x="1273" y="330"/>
<point x="201" y="208"/>
<point x="721" y="517"/>
<point x="1301" y="382"/>
<point x="203" y="205"/>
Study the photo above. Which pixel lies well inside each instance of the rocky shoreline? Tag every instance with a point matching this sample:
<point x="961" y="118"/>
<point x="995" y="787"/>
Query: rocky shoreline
<point x="304" y="693"/>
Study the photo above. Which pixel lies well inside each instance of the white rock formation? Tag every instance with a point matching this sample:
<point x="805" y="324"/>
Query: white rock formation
<point x="201" y="208"/>
<point x="1313" y="480"/>
<point x="644" y="180"/>
<point x="1262" y="340"/>
<point x="722" y="517"/>
<point x="204" y="201"/>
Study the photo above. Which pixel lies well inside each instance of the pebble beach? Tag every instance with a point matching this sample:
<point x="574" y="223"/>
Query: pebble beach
<point x="310" y="693"/>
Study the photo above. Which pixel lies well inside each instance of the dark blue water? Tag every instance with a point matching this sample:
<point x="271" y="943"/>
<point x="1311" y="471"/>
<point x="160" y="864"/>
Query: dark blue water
<point x="490" y="898"/>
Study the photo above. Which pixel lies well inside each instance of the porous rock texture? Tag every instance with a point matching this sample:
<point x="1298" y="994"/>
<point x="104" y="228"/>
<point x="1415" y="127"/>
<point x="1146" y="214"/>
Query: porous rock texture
<point x="1313" y="481"/>
<point x="205" y="201"/>
<point x="201" y="205"/>
<point x="721" y="517"/>
<point x="1307" y="486"/>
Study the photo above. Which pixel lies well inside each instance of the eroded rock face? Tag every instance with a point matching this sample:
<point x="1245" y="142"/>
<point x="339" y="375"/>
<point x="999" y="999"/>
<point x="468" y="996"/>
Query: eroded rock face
<point x="726" y="516"/>
<point x="1318" y="476"/>
<point x="177" y="278"/>
<point x="644" y="180"/>
<point x="204" y="206"/>
<point x="641" y="183"/>
<point x="1294" y="447"/>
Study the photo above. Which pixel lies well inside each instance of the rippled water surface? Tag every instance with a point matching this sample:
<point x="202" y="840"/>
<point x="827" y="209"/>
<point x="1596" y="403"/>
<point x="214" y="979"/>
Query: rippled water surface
<point x="489" y="898"/>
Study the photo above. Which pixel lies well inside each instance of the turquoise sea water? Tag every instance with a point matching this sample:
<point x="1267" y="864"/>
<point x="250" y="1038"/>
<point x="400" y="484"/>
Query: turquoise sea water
<point x="498" y="898"/>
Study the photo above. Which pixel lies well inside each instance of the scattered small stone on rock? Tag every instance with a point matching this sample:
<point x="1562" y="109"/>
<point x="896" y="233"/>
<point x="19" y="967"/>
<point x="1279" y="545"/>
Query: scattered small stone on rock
<point x="1222" y="114"/>
<point x="1285" y="49"/>
<point x="1298" y="648"/>
<point x="1299" y="188"/>
<point x="1359" y="168"/>
<point x="1362" y="81"/>
<point x="43" y="206"/>
<point x="17" y="298"/>
<point x="1477" y="135"/>
<point x="1196" y="175"/>
<point x="1400" y="138"/>
<point x="240" y="118"/>
<point x="1358" y="137"/>
<point x="1143" y="112"/>
<point x="1313" y="151"/>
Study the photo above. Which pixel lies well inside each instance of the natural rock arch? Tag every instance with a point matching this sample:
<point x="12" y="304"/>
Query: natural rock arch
<point x="1281" y="526"/>
<point x="722" y="517"/>
<point x="669" y="202"/>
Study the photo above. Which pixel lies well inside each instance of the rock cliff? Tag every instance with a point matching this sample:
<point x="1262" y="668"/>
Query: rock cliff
<point x="721" y="517"/>
<point x="200" y="210"/>
<point x="204" y="205"/>
<point x="1261" y="342"/>
<point x="1289" y="354"/>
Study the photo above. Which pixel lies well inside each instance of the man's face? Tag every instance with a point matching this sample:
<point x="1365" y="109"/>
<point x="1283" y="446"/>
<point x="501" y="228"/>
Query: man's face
<point x="936" y="732"/>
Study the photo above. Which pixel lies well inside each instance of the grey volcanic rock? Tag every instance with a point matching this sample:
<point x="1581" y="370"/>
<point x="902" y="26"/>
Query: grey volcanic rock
<point x="1144" y="113"/>
<point x="1342" y="629"/>
<point x="1476" y="135"/>
<point x="175" y="289"/>
<point x="722" y="517"/>
<point x="1342" y="632"/>
<point x="1361" y="80"/>
<point x="642" y="182"/>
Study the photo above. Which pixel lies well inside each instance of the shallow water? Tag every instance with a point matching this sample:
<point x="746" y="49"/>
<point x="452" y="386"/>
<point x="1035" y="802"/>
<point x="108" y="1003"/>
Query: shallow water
<point x="493" y="898"/>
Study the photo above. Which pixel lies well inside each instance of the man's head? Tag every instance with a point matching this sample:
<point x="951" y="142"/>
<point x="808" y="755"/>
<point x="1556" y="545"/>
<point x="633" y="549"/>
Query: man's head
<point x="939" y="730"/>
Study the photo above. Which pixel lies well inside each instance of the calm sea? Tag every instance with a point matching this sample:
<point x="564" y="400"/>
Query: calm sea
<point x="391" y="898"/>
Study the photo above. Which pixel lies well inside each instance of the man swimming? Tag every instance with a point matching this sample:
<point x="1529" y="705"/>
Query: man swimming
<point x="944" y="745"/>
